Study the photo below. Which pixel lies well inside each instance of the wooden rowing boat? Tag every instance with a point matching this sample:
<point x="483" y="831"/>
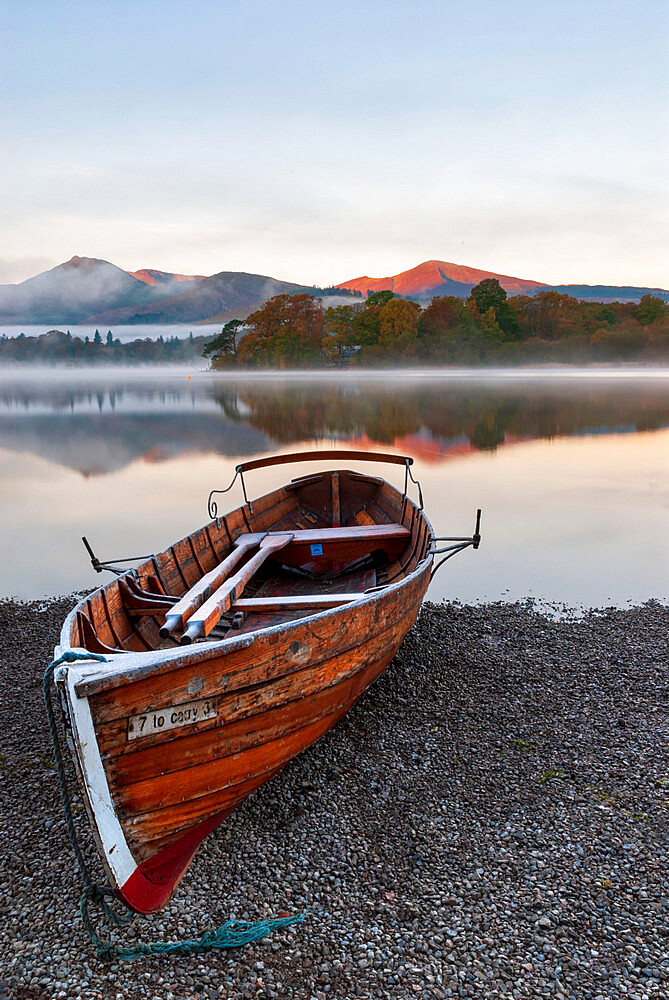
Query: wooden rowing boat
<point x="229" y="653"/>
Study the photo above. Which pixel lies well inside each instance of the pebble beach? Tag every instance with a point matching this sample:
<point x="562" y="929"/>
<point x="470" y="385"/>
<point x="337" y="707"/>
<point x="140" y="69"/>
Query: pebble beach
<point x="489" y="821"/>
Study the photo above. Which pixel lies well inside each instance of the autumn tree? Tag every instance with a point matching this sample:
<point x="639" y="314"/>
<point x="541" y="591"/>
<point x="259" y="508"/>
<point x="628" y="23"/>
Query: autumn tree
<point x="620" y="342"/>
<point x="444" y="313"/>
<point x="445" y="329"/>
<point x="398" y="327"/>
<point x="376" y="300"/>
<point x="551" y="315"/>
<point x="488" y="294"/>
<point x="651" y="309"/>
<point x="366" y="320"/>
<point x="287" y="331"/>
<point x="341" y="339"/>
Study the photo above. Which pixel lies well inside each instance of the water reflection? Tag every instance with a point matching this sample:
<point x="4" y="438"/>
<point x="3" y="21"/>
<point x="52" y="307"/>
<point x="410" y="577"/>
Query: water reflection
<point x="484" y="414"/>
<point x="570" y="472"/>
<point x="431" y="418"/>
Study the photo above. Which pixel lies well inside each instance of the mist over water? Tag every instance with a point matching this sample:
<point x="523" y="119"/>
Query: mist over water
<point x="570" y="468"/>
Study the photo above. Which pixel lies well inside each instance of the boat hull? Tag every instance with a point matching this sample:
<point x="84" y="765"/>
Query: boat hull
<point x="233" y="713"/>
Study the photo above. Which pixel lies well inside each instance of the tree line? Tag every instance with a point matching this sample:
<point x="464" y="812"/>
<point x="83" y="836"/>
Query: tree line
<point x="56" y="347"/>
<point x="297" y="331"/>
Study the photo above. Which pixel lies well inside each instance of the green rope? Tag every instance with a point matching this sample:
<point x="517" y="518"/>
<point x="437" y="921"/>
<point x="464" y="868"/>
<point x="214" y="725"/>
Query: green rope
<point x="232" y="934"/>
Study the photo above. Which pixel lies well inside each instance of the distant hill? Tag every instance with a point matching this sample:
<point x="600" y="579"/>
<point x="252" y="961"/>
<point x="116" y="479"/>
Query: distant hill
<point x="80" y="288"/>
<point x="223" y="296"/>
<point x="70" y="292"/>
<point x="438" y="277"/>
<point x="611" y="293"/>
<point x="152" y="277"/>
<point x="92" y="291"/>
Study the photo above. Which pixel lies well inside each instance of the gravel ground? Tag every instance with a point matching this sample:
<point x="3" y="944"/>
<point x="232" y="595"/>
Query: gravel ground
<point x="488" y="822"/>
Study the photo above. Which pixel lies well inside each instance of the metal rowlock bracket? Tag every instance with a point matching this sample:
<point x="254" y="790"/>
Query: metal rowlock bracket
<point x="460" y="544"/>
<point x="109" y="564"/>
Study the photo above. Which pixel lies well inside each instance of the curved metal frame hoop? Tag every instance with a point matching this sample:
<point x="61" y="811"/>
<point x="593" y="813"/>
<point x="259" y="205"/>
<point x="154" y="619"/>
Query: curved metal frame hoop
<point x="212" y="506"/>
<point x="408" y="475"/>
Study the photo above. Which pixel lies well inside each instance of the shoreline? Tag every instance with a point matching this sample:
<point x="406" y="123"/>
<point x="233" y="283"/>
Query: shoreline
<point x="550" y="369"/>
<point x="485" y="822"/>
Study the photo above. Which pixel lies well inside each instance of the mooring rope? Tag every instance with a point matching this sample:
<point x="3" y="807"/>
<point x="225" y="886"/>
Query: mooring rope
<point x="232" y="934"/>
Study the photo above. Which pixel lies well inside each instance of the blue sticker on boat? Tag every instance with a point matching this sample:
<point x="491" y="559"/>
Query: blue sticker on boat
<point x="317" y="550"/>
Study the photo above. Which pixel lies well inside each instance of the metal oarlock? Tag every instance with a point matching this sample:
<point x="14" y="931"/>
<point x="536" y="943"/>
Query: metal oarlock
<point x="109" y="564"/>
<point x="460" y="544"/>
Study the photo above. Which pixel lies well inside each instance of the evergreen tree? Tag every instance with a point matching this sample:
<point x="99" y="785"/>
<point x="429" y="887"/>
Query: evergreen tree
<point x="222" y="349"/>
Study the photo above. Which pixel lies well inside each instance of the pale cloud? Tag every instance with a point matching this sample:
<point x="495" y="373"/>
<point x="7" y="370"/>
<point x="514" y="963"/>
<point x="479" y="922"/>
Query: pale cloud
<point x="20" y="268"/>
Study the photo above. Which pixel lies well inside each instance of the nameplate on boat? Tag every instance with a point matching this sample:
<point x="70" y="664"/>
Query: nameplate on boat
<point x="175" y="717"/>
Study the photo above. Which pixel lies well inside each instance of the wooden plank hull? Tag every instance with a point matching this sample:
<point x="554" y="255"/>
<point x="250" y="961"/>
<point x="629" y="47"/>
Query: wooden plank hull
<point x="170" y="740"/>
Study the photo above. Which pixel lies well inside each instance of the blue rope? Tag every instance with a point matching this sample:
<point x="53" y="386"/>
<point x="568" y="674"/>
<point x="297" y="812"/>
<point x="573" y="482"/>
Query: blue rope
<point x="232" y="934"/>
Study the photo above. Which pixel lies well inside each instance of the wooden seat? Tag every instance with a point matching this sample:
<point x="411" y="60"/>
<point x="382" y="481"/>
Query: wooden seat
<point x="346" y="533"/>
<point x="320" y="548"/>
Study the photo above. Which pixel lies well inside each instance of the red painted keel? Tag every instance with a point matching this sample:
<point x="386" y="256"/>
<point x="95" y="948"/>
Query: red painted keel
<point x="154" y="880"/>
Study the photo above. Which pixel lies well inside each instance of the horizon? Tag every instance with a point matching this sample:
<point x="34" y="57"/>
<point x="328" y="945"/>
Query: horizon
<point x="133" y="272"/>
<point x="353" y="141"/>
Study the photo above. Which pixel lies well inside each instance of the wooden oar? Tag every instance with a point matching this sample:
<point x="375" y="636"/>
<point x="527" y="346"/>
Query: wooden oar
<point x="187" y="605"/>
<point x="205" y="618"/>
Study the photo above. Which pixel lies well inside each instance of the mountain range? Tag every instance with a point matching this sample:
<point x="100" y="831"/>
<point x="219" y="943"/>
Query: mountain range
<point x="438" y="277"/>
<point x="85" y="290"/>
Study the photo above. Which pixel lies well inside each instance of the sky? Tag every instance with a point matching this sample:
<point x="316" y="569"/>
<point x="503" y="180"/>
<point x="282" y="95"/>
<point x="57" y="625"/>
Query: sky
<point x="316" y="142"/>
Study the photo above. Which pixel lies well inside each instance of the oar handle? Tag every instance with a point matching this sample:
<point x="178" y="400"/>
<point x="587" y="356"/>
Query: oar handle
<point x="209" y="614"/>
<point x="476" y="538"/>
<point x="204" y="588"/>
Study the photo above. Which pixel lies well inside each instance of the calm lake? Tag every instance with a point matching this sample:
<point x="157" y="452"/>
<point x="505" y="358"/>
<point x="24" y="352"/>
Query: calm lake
<point x="570" y="468"/>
